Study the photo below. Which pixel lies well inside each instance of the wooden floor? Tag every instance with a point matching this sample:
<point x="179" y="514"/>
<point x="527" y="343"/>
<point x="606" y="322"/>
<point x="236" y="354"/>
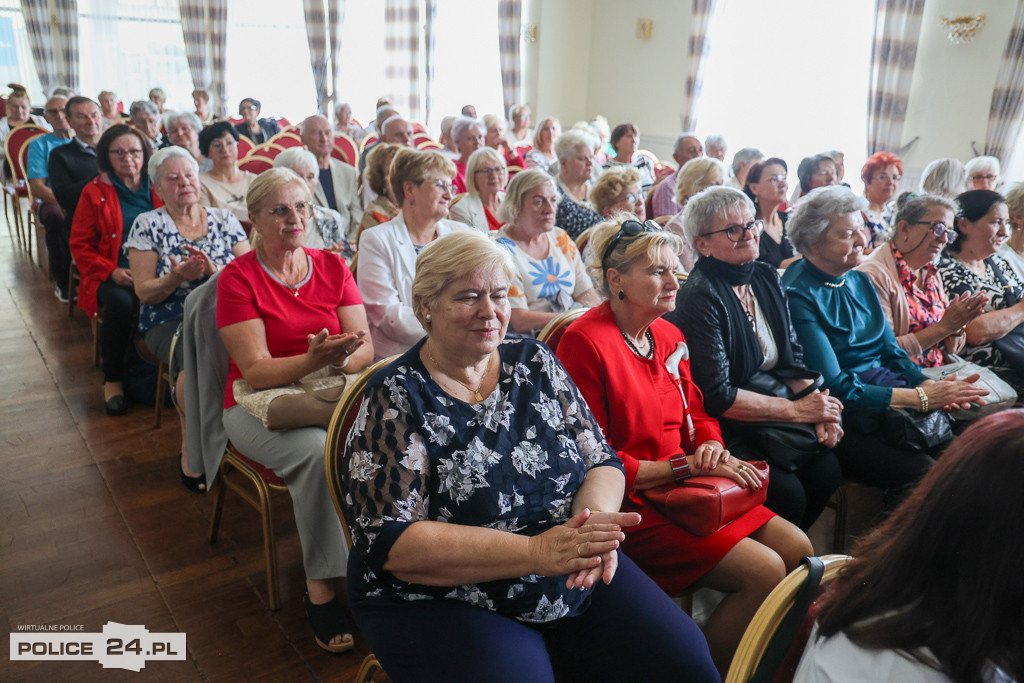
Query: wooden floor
<point x="95" y="526"/>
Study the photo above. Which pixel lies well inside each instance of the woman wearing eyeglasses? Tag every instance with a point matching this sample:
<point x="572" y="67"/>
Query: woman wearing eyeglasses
<point x="618" y="189"/>
<point x="881" y="174"/>
<point x="485" y="179"/>
<point x="633" y="369"/>
<point x="550" y="275"/>
<point x="766" y="186"/>
<point x="422" y="186"/>
<point x="106" y="210"/>
<point x="847" y="339"/>
<point x="983" y="173"/>
<point x="733" y="312"/>
<point x="972" y="265"/>
<point x="926" y="322"/>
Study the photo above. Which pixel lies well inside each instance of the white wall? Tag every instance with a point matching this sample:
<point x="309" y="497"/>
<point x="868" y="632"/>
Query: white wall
<point x="559" y="62"/>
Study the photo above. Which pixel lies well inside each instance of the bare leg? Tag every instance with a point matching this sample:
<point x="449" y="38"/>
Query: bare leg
<point x="179" y="398"/>
<point x="112" y="389"/>
<point x="747" y="574"/>
<point x="786" y="539"/>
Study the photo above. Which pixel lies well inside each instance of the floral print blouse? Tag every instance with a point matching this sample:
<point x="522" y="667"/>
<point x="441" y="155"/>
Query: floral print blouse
<point x="156" y="231"/>
<point x="926" y="302"/>
<point x="512" y="462"/>
<point x="548" y="285"/>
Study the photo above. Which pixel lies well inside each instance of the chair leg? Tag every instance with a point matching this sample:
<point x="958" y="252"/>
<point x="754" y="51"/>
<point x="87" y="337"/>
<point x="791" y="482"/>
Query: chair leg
<point x="73" y="279"/>
<point x="218" y="503"/>
<point x="161" y="391"/>
<point x="97" y="329"/>
<point x="369" y="667"/>
<point x="269" y="546"/>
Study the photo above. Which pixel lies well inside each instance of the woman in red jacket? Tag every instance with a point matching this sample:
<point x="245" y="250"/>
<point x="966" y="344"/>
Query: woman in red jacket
<point x="105" y="213"/>
<point x="632" y="367"/>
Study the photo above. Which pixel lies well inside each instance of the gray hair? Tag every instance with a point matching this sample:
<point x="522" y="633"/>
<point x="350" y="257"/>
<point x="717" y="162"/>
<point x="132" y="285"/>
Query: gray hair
<point x="810" y="220"/>
<point x="915" y="207"/>
<point x="715" y="141"/>
<point x="389" y="120"/>
<point x="747" y="155"/>
<point x="515" y="194"/>
<point x="702" y="210"/>
<point x="143" y="106"/>
<point x="158" y="93"/>
<point x="463" y="124"/>
<point x="297" y="159"/>
<point x="571" y="139"/>
<point x="157" y="161"/>
<point x="450" y="257"/>
<point x="945" y="177"/>
<point x="1015" y="199"/>
<point x="475" y="159"/>
<point x="186" y="116"/>
<point x="679" y="141"/>
<point x="304" y="126"/>
<point x="983" y="163"/>
<point x="384" y="112"/>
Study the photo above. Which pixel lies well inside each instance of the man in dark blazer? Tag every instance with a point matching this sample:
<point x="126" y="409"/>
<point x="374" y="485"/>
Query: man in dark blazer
<point x="256" y="129"/>
<point x="69" y="170"/>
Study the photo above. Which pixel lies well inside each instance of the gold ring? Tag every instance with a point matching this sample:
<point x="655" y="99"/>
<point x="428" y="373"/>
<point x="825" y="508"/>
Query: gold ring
<point x="578" y="552"/>
<point x="741" y="468"/>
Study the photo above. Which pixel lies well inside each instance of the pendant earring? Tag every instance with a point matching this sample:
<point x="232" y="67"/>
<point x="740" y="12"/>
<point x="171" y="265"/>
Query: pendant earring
<point x="622" y="295"/>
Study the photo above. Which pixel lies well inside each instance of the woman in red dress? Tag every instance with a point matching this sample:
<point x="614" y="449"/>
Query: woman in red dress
<point x="633" y="369"/>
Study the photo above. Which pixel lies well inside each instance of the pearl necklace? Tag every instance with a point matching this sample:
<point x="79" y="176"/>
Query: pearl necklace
<point x="631" y="345"/>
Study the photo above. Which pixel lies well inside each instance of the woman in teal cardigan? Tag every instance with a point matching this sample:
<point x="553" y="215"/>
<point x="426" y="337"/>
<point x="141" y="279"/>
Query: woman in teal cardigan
<point x="847" y="338"/>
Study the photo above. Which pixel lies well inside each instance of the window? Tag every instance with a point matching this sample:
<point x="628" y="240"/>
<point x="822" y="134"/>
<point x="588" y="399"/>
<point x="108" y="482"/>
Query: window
<point x="466" y="57"/>
<point x="130" y="46"/>
<point x="16" y="64"/>
<point x="792" y="85"/>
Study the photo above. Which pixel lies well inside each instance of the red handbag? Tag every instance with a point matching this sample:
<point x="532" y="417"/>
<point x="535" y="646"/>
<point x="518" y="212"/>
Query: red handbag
<point x="703" y="505"/>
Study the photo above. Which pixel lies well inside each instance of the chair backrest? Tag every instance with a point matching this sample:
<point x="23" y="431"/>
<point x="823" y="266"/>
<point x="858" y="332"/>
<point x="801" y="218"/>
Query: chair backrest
<point x="22" y="168"/>
<point x="582" y="239"/>
<point x="428" y="144"/>
<point x="345" y="148"/>
<point x="418" y="127"/>
<point x="286" y="139"/>
<point x="282" y="122"/>
<point x="245" y="146"/>
<point x="256" y="164"/>
<point x="457" y="198"/>
<point x="770" y="615"/>
<point x="553" y="331"/>
<point x="367" y="141"/>
<point x="268" y="150"/>
<point x="354" y="262"/>
<point x="17" y="139"/>
<point x="337" y="434"/>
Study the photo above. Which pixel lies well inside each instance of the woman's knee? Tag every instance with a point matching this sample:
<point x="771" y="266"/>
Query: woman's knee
<point x="786" y="540"/>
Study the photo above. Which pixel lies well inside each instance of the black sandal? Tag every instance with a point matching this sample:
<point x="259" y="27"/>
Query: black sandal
<point x="327" y="621"/>
<point x="193" y="484"/>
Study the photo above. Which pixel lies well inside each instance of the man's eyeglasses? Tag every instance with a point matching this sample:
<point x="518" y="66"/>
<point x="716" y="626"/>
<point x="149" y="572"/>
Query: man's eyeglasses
<point x="629" y="228"/>
<point x="939" y="229"/>
<point x="738" y="233"/>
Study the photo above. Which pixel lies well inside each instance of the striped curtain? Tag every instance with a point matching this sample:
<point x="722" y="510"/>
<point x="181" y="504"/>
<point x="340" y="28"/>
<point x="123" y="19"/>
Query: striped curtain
<point x="893" y="53"/>
<point x="700" y="20"/>
<point x="430" y="20"/>
<point x="204" y="24"/>
<point x="321" y="34"/>
<point x="510" y="19"/>
<point x="336" y="17"/>
<point x="40" y="26"/>
<point x="402" y="47"/>
<point x="1006" y="113"/>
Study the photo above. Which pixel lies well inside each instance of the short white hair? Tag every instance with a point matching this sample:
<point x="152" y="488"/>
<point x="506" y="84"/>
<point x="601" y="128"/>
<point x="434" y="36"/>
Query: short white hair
<point x="188" y="117"/>
<point x="747" y="155"/>
<point x="463" y="124"/>
<point x="811" y="218"/>
<point x="515" y="194"/>
<point x="297" y="159"/>
<point x="702" y="209"/>
<point x="571" y="140"/>
<point x="944" y="177"/>
<point x="982" y="163"/>
<point x="157" y="161"/>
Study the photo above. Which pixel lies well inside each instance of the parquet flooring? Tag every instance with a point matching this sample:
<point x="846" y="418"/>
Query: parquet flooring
<point x="95" y="527"/>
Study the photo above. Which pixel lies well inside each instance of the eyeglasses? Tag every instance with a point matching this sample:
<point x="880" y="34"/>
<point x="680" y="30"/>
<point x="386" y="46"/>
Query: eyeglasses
<point x="989" y="177"/>
<point x="249" y="107"/>
<point x="885" y="177"/>
<point x="939" y="229"/>
<point x="282" y="211"/>
<point x="490" y="171"/>
<point x="777" y="179"/>
<point x="633" y="197"/>
<point x="122" y="153"/>
<point x="738" y="233"/>
<point x="442" y="185"/>
<point x="629" y="228"/>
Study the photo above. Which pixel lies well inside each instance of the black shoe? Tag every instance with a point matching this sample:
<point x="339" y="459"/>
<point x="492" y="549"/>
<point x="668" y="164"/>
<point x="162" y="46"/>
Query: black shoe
<point x="61" y="294"/>
<point x="193" y="484"/>
<point x="327" y="621"/>
<point x="117" y="405"/>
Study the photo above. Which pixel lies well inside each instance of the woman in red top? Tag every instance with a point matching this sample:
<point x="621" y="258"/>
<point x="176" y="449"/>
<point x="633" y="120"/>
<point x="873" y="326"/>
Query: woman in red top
<point x="104" y="216"/>
<point x="285" y="311"/>
<point x="632" y="367"/>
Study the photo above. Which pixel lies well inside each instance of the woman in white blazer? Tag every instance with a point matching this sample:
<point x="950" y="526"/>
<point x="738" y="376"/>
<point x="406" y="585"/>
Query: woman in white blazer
<point x="422" y="185"/>
<point x="486" y="175"/>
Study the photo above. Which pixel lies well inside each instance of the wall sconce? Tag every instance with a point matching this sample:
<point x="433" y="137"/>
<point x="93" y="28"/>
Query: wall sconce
<point x="644" y="27"/>
<point x="960" y="30"/>
<point x="530" y="33"/>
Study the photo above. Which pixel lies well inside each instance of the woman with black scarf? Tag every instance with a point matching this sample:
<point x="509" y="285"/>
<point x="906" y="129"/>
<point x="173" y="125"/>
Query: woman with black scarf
<point x="747" y="362"/>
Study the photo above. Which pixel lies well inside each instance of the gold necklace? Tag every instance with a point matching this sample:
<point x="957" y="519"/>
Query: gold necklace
<point x="476" y="392"/>
<point x="193" y="225"/>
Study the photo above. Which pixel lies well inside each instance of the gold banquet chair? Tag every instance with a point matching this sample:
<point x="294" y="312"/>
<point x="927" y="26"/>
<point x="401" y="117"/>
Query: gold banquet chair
<point x="334" y="456"/>
<point x="552" y="333"/>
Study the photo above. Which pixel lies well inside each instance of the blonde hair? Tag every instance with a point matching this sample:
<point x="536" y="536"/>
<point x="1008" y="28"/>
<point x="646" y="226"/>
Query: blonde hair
<point x="628" y="251"/>
<point x="378" y="163"/>
<point x="450" y="257"/>
<point x="203" y="95"/>
<point x="264" y="185"/>
<point x="515" y="193"/>
<point x="412" y="166"/>
<point x="1015" y="199"/>
<point x="611" y="184"/>
<point x="475" y="160"/>
<point x="696" y="175"/>
<point x="540" y="128"/>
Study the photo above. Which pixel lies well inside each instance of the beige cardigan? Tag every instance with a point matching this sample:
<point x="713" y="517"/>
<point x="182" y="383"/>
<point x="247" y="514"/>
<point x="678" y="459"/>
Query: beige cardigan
<point x="880" y="267"/>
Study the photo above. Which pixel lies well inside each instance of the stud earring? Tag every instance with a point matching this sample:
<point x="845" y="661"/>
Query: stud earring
<point x="622" y="295"/>
<point x="427" y="316"/>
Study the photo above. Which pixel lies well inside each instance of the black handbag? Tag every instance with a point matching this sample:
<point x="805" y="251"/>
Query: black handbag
<point x="1011" y="345"/>
<point x="916" y="431"/>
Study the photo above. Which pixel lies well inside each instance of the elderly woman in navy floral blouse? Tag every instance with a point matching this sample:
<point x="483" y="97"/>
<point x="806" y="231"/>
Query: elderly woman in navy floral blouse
<point x="484" y="504"/>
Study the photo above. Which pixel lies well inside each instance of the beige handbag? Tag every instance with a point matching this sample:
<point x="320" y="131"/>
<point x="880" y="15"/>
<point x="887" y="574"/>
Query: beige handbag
<point x="310" y="402"/>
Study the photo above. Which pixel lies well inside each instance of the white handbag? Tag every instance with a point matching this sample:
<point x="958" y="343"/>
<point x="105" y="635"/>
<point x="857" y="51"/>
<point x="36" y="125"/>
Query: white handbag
<point x="1000" y="394"/>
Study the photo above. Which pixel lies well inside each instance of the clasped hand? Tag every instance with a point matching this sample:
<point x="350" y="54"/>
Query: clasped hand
<point x="583" y="547"/>
<point x="195" y="265"/>
<point x="952" y="394"/>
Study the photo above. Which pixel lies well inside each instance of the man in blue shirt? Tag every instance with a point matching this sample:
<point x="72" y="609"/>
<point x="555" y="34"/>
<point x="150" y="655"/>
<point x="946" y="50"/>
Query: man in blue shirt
<point x="48" y="211"/>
